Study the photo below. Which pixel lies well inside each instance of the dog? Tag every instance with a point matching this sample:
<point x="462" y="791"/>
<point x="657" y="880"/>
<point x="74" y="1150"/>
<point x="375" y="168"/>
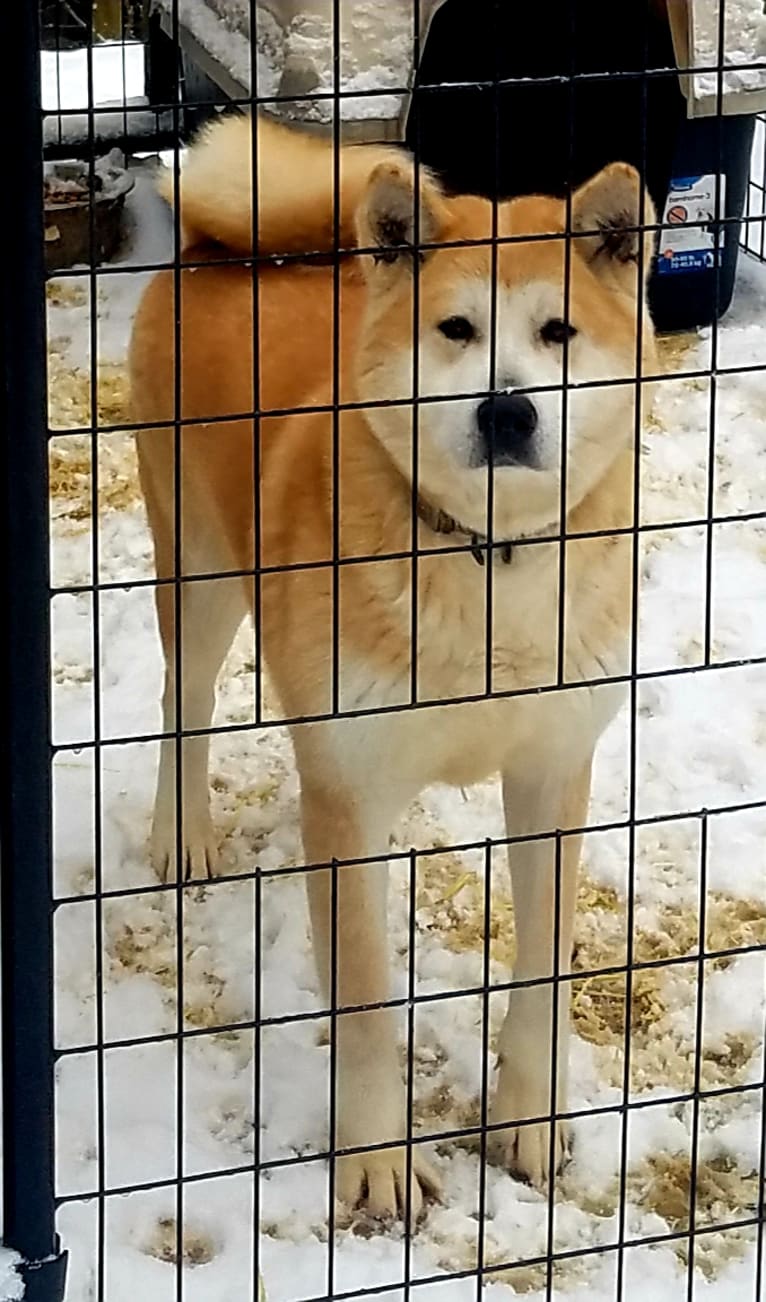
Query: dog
<point x="512" y="478"/>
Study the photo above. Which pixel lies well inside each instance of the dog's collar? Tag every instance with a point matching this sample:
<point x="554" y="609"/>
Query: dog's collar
<point x="440" y="522"/>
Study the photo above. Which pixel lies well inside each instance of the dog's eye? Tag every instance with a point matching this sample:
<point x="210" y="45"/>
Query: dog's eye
<point x="458" y="328"/>
<point x="557" y="331"/>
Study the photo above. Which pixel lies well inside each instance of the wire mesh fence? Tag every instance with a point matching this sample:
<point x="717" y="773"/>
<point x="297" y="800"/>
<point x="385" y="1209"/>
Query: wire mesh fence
<point x="389" y="528"/>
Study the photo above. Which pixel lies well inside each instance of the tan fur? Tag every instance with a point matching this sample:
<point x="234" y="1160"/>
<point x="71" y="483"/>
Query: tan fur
<point x="216" y="187"/>
<point x="358" y="772"/>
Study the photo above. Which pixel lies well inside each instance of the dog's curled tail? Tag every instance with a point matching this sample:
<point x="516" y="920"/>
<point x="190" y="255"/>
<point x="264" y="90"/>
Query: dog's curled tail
<point x="295" y="191"/>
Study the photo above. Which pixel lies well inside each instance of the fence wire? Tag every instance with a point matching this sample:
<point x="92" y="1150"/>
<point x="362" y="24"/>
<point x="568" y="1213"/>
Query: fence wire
<point x="211" y="1099"/>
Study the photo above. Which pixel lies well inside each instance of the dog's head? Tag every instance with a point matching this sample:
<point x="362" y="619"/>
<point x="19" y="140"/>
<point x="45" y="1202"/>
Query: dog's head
<point x="563" y="311"/>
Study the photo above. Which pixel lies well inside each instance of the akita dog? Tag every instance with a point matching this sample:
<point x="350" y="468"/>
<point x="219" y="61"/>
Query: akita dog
<point x="446" y="520"/>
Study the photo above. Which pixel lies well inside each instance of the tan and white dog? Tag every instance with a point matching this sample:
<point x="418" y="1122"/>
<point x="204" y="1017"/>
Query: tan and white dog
<point x="302" y="491"/>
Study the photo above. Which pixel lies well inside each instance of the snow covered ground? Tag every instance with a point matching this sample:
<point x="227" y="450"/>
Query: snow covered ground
<point x="117" y="76"/>
<point x="701" y="745"/>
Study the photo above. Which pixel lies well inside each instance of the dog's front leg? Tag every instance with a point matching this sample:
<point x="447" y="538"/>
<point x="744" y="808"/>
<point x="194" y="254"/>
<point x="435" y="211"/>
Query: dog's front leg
<point x="348" y="916"/>
<point x="526" y="1049"/>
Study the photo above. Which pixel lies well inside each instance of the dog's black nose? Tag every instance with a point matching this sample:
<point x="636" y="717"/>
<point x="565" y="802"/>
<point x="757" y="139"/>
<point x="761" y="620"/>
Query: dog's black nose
<point x="506" y="423"/>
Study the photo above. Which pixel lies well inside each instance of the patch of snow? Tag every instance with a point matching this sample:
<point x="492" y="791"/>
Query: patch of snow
<point x="740" y="42"/>
<point x="296" y="47"/>
<point x="226" y="39"/>
<point x="117" y="79"/>
<point x="117" y="75"/>
<point x="11" y="1283"/>
<point x="115" y="122"/>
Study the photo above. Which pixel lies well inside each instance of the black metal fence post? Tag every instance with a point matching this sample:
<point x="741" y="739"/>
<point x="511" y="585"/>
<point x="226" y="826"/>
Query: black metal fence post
<point x="25" y="783"/>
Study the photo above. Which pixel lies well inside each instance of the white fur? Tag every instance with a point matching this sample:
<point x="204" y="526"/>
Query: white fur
<point x="525" y="500"/>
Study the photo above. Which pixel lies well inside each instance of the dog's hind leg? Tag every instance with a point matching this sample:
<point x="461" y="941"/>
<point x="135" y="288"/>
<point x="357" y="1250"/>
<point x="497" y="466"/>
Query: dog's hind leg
<point x="348" y="914"/>
<point x="526" y="1048"/>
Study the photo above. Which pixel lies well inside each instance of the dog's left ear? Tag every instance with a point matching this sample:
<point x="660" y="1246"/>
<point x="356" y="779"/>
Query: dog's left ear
<point x="394" y="220"/>
<point x="611" y="210"/>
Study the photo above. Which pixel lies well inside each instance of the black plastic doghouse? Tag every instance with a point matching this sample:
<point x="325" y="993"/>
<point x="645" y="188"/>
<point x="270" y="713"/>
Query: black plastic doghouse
<point x="566" y="87"/>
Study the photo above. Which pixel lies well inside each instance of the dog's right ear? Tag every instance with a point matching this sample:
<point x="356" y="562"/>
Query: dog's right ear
<point x="396" y="223"/>
<point x="609" y="214"/>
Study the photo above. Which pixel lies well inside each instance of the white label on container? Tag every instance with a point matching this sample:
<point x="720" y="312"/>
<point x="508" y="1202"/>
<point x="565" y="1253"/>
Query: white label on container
<point x="689" y="241"/>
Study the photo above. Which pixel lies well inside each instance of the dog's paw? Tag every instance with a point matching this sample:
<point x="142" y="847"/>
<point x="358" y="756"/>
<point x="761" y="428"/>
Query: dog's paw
<point x="529" y="1145"/>
<point x="373" y="1186"/>
<point x="525" y="1151"/>
<point x="198" y="849"/>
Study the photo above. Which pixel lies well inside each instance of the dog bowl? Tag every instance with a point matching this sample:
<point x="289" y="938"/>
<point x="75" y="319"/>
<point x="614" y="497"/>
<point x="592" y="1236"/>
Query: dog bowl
<point x="83" y="211"/>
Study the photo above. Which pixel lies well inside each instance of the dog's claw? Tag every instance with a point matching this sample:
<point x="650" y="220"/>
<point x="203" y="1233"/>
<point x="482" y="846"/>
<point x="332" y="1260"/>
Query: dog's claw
<point x="525" y="1151"/>
<point x="373" y="1187"/>
<point x="199" y="854"/>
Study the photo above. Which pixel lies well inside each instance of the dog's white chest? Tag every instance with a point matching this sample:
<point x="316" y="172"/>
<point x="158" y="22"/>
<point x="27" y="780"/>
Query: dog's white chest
<point x="489" y="666"/>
